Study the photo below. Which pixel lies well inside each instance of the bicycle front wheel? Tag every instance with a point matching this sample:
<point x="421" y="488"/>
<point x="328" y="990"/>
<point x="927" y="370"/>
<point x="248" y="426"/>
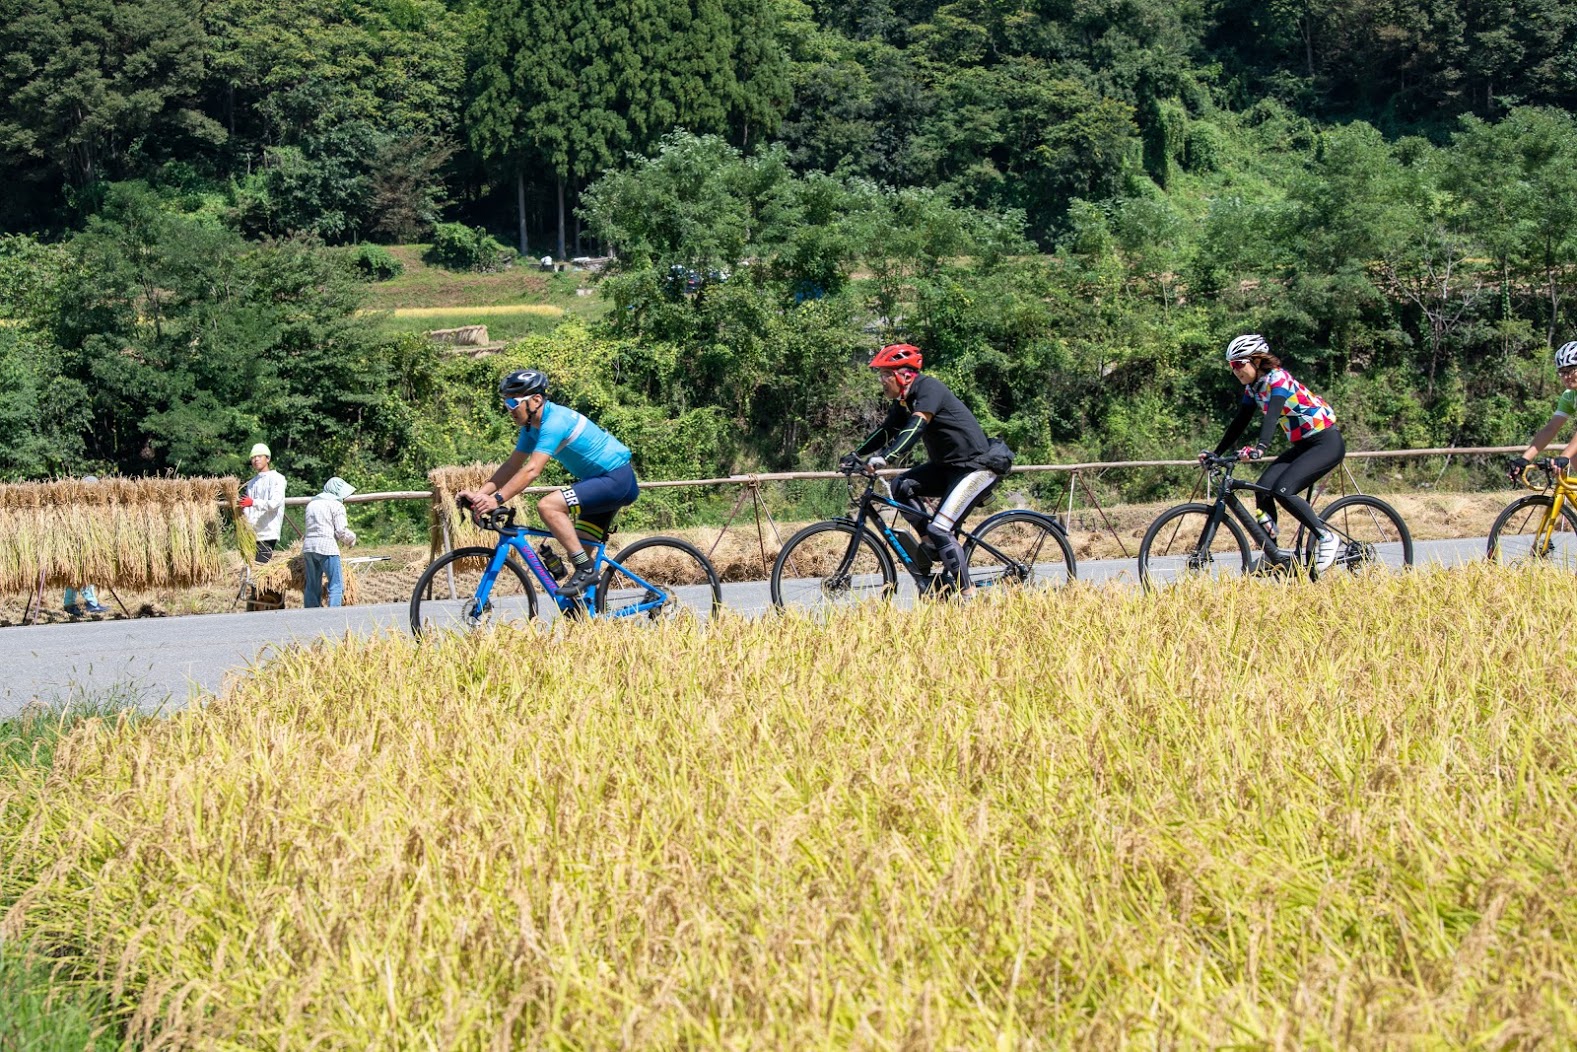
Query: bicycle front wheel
<point x="832" y="564"/>
<point x="1019" y="549"/>
<point x="1181" y="543"/>
<point x="1524" y="533"/>
<point x="449" y="597"/>
<point x="659" y="578"/>
<point x="1371" y="534"/>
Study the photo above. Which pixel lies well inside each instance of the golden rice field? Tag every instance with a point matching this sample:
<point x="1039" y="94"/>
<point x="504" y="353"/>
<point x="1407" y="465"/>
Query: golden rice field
<point x="499" y="310"/>
<point x="1092" y="819"/>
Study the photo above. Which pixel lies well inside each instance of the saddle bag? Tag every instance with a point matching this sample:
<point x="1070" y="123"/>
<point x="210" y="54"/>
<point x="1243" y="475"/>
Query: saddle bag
<point x="998" y="458"/>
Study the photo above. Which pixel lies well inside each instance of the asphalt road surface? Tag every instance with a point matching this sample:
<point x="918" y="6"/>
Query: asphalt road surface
<point x="161" y="664"/>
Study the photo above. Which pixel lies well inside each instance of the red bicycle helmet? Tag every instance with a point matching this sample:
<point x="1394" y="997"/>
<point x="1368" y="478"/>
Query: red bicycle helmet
<point x="898" y="356"/>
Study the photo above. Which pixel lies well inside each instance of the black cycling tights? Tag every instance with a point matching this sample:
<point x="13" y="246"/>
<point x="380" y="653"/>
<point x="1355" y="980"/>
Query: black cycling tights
<point x="1302" y="465"/>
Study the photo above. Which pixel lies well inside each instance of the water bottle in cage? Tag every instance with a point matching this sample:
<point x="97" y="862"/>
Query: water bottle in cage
<point x="551" y="560"/>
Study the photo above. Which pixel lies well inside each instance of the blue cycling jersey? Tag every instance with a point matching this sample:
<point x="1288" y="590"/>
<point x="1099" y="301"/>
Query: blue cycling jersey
<point x="577" y="443"/>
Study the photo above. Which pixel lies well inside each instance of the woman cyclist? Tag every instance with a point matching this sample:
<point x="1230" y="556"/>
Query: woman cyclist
<point x="1310" y="424"/>
<point x="1566" y="369"/>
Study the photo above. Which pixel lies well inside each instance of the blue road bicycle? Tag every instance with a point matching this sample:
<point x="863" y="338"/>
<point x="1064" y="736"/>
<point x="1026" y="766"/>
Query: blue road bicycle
<point x="652" y="579"/>
<point x="856" y="557"/>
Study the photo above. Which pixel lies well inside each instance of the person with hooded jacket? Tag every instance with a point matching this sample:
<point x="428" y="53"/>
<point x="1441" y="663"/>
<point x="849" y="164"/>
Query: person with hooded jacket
<point x="326" y="530"/>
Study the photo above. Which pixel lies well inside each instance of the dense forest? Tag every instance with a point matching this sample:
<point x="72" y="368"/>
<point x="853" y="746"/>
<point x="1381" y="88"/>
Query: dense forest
<point x="1071" y="206"/>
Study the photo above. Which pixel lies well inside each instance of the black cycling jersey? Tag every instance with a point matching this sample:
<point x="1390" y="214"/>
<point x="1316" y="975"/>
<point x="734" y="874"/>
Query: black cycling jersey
<point x="953" y="436"/>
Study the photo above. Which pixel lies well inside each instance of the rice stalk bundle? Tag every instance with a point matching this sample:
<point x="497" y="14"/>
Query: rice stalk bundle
<point x="446" y="482"/>
<point x="131" y="533"/>
<point x="287" y="571"/>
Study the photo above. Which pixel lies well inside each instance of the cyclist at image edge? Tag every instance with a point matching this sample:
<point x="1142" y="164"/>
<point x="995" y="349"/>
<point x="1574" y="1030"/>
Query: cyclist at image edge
<point x="1310" y="425"/>
<point x="1565" y="407"/>
<point x="925" y="410"/>
<point x="605" y="480"/>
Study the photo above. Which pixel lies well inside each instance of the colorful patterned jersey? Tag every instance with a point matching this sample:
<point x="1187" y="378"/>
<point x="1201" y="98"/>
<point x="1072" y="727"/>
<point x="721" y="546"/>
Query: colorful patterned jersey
<point x="1304" y="412"/>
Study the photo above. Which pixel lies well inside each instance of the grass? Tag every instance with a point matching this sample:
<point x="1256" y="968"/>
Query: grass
<point x="517" y="302"/>
<point x="1088" y="819"/>
<point x="503" y="323"/>
<point x="42" y="1010"/>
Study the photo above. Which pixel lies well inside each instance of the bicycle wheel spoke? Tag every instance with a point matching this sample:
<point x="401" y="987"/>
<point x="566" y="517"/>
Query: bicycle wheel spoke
<point x="658" y="578"/>
<point x="1019" y="549"/>
<point x="446" y="596"/>
<point x="1372" y="534"/>
<point x="828" y="565"/>
<point x="1524" y="535"/>
<point x="1176" y="546"/>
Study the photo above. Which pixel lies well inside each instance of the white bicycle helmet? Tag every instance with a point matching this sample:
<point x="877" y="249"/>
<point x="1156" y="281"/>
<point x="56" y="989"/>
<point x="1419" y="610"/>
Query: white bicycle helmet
<point x="1245" y="347"/>
<point x="1566" y="357"/>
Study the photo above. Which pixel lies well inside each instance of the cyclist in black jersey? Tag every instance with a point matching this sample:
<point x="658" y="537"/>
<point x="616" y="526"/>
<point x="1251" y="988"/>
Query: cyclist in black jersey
<point x="925" y="410"/>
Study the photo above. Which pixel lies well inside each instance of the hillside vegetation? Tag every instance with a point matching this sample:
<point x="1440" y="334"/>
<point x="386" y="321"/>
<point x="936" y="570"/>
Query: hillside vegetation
<point x="1070" y="207"/>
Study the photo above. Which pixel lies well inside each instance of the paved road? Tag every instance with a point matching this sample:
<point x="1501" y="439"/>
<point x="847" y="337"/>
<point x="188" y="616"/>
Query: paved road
<point x="160" y="663"/>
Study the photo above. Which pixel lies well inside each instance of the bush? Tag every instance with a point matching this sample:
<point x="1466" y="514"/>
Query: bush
<point x="376" y="263"/>
<point x="459" y="247"/>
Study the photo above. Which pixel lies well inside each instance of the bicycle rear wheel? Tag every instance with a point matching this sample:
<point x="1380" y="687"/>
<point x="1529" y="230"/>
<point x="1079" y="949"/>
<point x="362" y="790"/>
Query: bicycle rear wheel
<point x="659" y="578"/>
<point x="1180" y="544"/>
<point x="1019" y="549"/>
<point x="832" y="564"/>
<point x="445" y="597"/>
<point x="1371" y="532"/>
<point x="1519" y="537"/>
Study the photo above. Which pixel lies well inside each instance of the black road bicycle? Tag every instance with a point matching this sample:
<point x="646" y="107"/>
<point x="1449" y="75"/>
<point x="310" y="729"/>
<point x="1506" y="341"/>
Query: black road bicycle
<point x="856" y="557"/>
<point x="1199" y="538"/>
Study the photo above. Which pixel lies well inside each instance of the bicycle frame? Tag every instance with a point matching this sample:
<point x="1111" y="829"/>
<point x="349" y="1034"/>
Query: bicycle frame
<point x="867" y="505"/>
<point x="1565" y="489"/>
<point x="519" y="538"/>
<point x="1227" y="500"/>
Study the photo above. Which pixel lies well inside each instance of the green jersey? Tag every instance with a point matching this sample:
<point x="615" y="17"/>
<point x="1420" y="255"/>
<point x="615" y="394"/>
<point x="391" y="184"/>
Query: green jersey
<point x="1567" y="406"/>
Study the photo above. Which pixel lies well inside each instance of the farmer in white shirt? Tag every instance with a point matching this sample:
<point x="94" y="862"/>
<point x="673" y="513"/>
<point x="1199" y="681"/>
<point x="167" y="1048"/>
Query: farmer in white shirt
<point x="263" y="502"/>
<point x="326" y="529"/>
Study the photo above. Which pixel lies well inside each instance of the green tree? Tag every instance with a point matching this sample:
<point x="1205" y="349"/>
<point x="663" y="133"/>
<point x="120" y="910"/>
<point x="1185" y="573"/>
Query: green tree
<point x="86" y="89"/>
<point x="1518" y="181"/>
<point x="1020" y="136"/>
<point x="573" y="86"/>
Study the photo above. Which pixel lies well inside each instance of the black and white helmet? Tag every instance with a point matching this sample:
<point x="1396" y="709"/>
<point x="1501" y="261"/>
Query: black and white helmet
<point x="522" y="383"/>
<point x="1245" y="347"/>
<point x="1566" y="357"/>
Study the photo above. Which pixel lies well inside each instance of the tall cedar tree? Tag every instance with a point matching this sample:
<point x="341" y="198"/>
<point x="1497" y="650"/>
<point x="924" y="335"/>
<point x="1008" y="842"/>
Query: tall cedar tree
<point x="569" y="86"/>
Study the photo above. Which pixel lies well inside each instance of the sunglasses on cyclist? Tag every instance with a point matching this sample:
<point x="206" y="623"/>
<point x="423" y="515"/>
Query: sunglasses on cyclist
<point x="1566" y="371"/>
<point x="512" y="404"/>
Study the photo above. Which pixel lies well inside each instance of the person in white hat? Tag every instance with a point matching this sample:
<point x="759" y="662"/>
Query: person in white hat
<point x="326" y="530"/>
<point x="263" y="502"/>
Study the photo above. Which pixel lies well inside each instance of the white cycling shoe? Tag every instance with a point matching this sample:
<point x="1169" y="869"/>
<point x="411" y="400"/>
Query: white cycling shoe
<point x="1325" y="553"/>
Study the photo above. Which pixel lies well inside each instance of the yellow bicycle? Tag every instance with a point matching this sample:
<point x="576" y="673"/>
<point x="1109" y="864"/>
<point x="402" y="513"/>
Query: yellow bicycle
<point x="1540" y="527"/>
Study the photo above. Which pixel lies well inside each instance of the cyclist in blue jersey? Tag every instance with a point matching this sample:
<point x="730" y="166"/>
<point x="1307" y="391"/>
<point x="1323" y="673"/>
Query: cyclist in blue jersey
<point x="1565" y="409"/>
<point x="604" y="479"/>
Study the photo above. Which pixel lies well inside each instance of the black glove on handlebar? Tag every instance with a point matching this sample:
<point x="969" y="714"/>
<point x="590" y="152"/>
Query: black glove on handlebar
<point x="850" y="463"/>
<point x="1515" y="469"/>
